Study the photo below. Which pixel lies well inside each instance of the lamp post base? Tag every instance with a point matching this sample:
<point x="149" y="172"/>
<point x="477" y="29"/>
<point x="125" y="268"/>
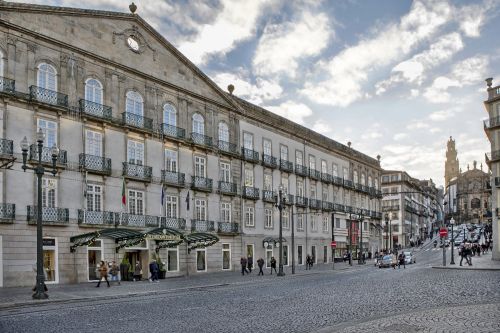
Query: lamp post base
<point x="280" y="271"/>
<point x="40" y="295"/>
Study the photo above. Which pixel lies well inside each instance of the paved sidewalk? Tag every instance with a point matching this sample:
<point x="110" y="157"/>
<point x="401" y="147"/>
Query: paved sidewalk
<point x="483" y="262"/>
<point x="21" y="296"/>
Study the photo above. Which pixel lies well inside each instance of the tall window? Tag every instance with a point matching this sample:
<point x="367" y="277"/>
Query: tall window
<point x="134" y="103"/>
<point x="249" y="216"/>
<point x="249" y="176"/>
<point x="314" y="226"/>
<point x="325" y="194"/>
<point x="284" y="153"/>
<point x="363" y="180"/>
<point x="345" y="173"/>
<point x="171" y="206"/>
<point x="49" y="129"/>
<point x="286" y="219"/>
<point x="312" y="162"/>
<point x="225" y="172"/>
<point x="136" y="202"/>
<point x="198" y="124"/>
<point x="335" y="170"/>
<point x="169" y="115"/>
<point x="267" y="147"/>
<point x="200" y="166"/>
<point x="300" y="188"/>
<point x="312" y="191"/>
<point x="375" y="183"/>
<point x="355" y="177"/>
<point x="223" y="132"/>
<point x="200" y="209"/>
<point x="268" y="182"/>
<point x="300" y="222"/>
<point x="93" y="91"/>
<point x="49" y="192"/>
<point x="93" y="143"/>
<point x="370" y="181"/>
<point x="325" y="223"/>
<point x="284" y="182"/>
<point x="94" y="197"/>
<point x="225" y="212"/>
<point x="135" y="151"/>
<point x="299" y="157"/>
<point x="324" y="168"/>
<point x="248" y="141"/>
<point x="171" y="160"/>
<point x="46" y="77"/>
<point x="268" y="218"/>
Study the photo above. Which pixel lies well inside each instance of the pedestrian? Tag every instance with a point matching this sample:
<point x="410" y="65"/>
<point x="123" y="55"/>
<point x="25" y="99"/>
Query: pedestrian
<point x="250" y="263"/>
<point x="115" y="272"/>
<point x="308" y="259"/>
<point x="273" y="265"/>
<point x="468" y="254"/>
<point x="153" y="269"/>
<point x="401" y="261"/>
<point x="137" y="271"/>
<point x="103" y="273"/>
<point x="260" y="263"/>
<point x="243" y="262"/>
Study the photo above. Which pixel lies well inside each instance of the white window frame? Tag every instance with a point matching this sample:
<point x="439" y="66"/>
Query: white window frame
<point x="335" y="170"/>
<point x="200" y="207"/>
<point x="225" y="172"/>
<point x="198" y="124"/>
<point x="171" y="206"/>
<point x="200" y="166"/>
<point x="268" y="218"/>
<point x="45" y="73"/>
<point x="300" y="222"/>
<point x="94" y="91"/>
<point x="300" y="188"/>
<point x="171" y="160"/>
<point x="93" y="143"/>
<point x="95" y="196"/>
<point x="299" y="157"/>
<point x="225" y="209"/>
<point x="223" y="131"/>
<point x="249" y="176"/>
<point x="268" y="181"/>
<point x="248" y="140"/>
<point x="49" y="192"/>
<point x="249" y="216"/>
<point x="134" y="103"/>
<point x="312" y="162"/>
<point x="230" y="256"/>
<point x="267" y="147"/>
<point x="324" y="167"/>
<point x="286" y="219"/>
<point x="49" y="129"/>
<point x="314" y="224"/>
<point x="285" y="182"/>
<point x="136" y="197"/>
<point x="284" y="152"/>
<point x="169" y="114"/>
<point x="135" y="152"/>
<point x="325" y="223"/>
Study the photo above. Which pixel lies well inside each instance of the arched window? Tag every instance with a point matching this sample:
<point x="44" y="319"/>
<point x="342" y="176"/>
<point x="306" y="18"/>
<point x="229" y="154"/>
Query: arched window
<point x="375" y="184"/>
<point x="370" y="181"/>
<point x="169" y="115"/>
<point x="223" y="132"/>
<point x="198" y="124"/>
<point x="46" y="77"/>
<point x="93" y="91"/>
<point x="363" y="180"/>
<point x="134" y="103"/>
<point x="355" y="177"/>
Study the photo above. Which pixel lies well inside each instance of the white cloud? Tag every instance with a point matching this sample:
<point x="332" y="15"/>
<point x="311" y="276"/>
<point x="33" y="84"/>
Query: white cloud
<point x="293" y="111"/>
<point x="472" y="17"/>
<point x="400" y="136"/>
<point x="321" y="126"/>
<point x="417" y="125"/>
<point x="442" y="115"/>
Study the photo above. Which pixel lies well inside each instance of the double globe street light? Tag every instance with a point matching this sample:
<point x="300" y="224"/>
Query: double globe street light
<point x="39" y="170"/>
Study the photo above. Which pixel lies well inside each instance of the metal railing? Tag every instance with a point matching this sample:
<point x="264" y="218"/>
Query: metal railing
<point x="268" y="196"/>
<point x="47" y="96"/>
<point x="95" y="164"/>
<point x="492" y="122"/>
<point x="173" y="178"/>
<point x="227" y="147"/>
<point x="172" y="222"/>
<point x="227" y="188"/>
<point x="173" y="131"/>
<point x="201" y="139"/>
<point x="138" y="172"/>
<point x="228" y="228"/>
<point x="7" y="85"/>
<point x="47" y="155"/>
<point x="89" y="217"/>
<point x="348" y="183"/>
<point x="301" y="170"/>
<point x="327" y="206"/>
<point x="252" y="193"/>
<point x="201" y="183"/>
<point x="326" y="178"/>
<point x="497" y="181"/>
<point x="7" y="211"/>
<point x="269" y="161"/>
<point x="49" y="215"/>
<point x="202" y="226"/>
<point x="314" y="203"/>
<point x="250" y="155"/>
<point x="314" y="174"/>
<point x="139" y="220"/>
<point x="338" y="207"/>
<point x="289" y="199"/>
<point x="96" y="110"/>
<point x="337" y="181"/>
<point x="390" y="208"/>
<point x="6" y="147"/>
<point x="135" y="120"/>
<point x="286" y="166"/>
<point x="301" y="201"/>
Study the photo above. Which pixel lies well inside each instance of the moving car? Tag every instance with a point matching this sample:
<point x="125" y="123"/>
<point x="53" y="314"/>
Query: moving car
<point x="388" y="261"/>
<point x="409" y="257"/>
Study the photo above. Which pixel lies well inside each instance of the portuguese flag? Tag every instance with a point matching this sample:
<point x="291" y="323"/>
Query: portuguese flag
<point x="124" y="197"/>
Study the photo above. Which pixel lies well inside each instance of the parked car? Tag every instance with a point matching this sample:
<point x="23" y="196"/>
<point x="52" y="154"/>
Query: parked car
<point x="409" y="258"/>
<point x="446" y="243"/>
<point x="388" y="261"/>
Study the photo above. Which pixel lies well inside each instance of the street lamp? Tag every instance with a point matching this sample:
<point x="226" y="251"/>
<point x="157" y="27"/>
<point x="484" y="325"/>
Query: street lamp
<point x="281" y="205"/>
<point x="387" y="232"/>
<point x="452" y="222"/>
<point x="360" y="257"/>
<point x="39" y="170"/>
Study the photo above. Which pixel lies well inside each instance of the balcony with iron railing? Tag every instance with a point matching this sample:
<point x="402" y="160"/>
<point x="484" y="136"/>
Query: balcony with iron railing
<point x="202" y="226"/>
<point x="250" y="155"/>
<point x="365" y="212"/>
<point x="350" y="209"/>
<point x="348" y="184"/>
<point x="227" y="188"/>
<point x="314" y="203"/>
<point x="137" y="121"/>
<point x="289" y="200"/>
<point x="173" y="131"/>
<point x="95" y="110"/>
<point x="7" y="85"/>
<point x="172" y="222"/>
<point x="358" y="187"/>
<point x="228" y="228"/>
<point x="301" y="201"/>
<point x="140" y="221"/>
<point x="50" y="215"/>
<point x="201" y="184"/>
<point x="286" y="166"/>
<point x="497" y="181"/>
<point x="338" y="207"/>
<point x="137" y="172"/>
<point x="249" y="192"/>
<point x="314" y="174"/>
<point x="268" y="196"/>
<point x="172" y="178"/>
<point x="228" y="148"/>
<point x="6" y="148"/>
<point x="47" y="96"/>
<point x="327" y="206"/>
<point x="390" y="208"/>
<point x="365" y="189"/>
<point x="337" y="181"/>
<point x="7" y="212"/>
<point x="61" y="161"/>
<point x="201" y="140"/>
<point x="269" y="161"/>
<point x="326" y="178"/>
<point x="491" y="122"/>
<point x="88" y="217"/>
<point x="95" y="164"/>
<point x="301" y="170"/>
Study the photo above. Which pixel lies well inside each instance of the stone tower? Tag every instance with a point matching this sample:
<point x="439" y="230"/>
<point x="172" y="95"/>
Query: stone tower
<point x="451" y="165"/>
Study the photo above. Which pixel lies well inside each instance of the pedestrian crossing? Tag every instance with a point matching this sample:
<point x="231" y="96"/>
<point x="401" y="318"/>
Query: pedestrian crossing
<point x="439" y="249"/>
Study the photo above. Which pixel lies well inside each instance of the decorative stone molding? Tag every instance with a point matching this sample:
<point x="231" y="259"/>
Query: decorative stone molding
<point x="141" y="40"/>
<point x="31" y="47"/>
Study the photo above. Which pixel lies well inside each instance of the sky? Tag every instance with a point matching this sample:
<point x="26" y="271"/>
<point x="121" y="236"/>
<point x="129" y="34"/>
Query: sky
<point x="396" y="78"/>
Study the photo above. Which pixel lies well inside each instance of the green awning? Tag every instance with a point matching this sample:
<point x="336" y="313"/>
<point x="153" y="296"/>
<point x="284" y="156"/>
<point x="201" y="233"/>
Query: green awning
<point x="113" y="233"/>
<point x="200" y="240"/>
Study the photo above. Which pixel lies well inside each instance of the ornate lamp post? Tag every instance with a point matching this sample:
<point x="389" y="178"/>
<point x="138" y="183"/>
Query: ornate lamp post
<point x="281" y="205"/>
<point x="387" y="231"/>
<point x="360" y="257"/>
<point x="452" y="222"/>
<point x="39" y="170"/>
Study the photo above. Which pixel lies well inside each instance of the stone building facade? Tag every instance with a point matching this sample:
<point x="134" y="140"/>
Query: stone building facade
<point x="451" y="165"/>
<point x="197" y="168"/>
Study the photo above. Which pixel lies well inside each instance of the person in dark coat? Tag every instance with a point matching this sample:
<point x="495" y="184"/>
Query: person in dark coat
<point x="153" y="269"/>
<point x="401" y="260"/>
<point x="273" y="265"/>
<point x="250" y="263"/>
<point x="243" y="262"/>
<point x="260" y="263"/>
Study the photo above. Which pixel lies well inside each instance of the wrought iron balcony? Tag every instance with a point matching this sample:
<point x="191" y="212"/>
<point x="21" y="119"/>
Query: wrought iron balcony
<point x="172" y="178"/>
<point x="269" y="161"/>
<point x="338" y="207"/>
<point x="141" y="221"/>
<point x="201" y="139"/>
<point x="492" y="122"/>
<point x="348" y="183"/>
<point x="96" y="110"/>
<point x="314" y="204"/>
<point x="268" y="196"/>
<point x="495" y="155"/>
<point x="95" y="164"/>
<point x="250" y="155"/>
<point x="289" y="199"/>
<point x="228" y="188"/>
<point x="497" y="181"/>
<point x="365" y="212"/>
<point x="137" y="172"/>
<point x="301" y="170"/>
<point x="337" y="181"/>
<point x="350" y="209"/>
<point x="7" y="212"/>
<point x="358" y="187"/>
<point x="172" y="222"/>
<point x="47" y="96"/>
<point x="6" y="148"/>
<point x="365" y="189"/>
<point x="286" y="166"/>
<point x="227" y="148"/>
<point x="314" y="174"/>
<point x="62" y="159"/>
<point x="327" y="206"/>
<point x="326" y="178"/>
<point x="88" y="217"/>
<point x="390" y="208"/>
<point x="202" y="226"/>
<point x="50" y="215"/>
<point x="228" y="228"/>
<point x="7" y="85"/>
<point x="173" y="131"/>
<point x="250" y="193"/>
<point x="138" y="121"/>
<point x="201" y="184"/>
<point x="301" y="201"/>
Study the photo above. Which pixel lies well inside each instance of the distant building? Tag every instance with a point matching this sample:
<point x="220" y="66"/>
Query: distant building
<point x="451" y="166"/>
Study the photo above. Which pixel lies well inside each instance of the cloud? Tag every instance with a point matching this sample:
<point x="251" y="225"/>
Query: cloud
<point x="281" y="46"/>
<point x="472" y="17"/>
<point x="291" y="110"/>
<point x="321" y="126"/>
<point x="400" y="136"/>
<point x="417" y="125"/>
<point x="443" y="115"/>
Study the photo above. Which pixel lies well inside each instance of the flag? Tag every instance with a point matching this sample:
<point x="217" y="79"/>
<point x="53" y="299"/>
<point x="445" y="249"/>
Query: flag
<point x="162" y="195"/>
<point x="124" y="197"/>
<point x="187" y="201"/>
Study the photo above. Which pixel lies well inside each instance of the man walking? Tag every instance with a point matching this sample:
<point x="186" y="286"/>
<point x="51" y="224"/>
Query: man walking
<point x="115" y="271"/>
<point x="273" y="265"/>
<point x="250" y="263"/>
<point x="243" y="263"/>
<point x="260" y="263"/>
<point x="153" y="268"/>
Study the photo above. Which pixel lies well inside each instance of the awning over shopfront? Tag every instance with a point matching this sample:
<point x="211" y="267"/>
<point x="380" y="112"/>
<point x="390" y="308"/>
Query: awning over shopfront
<point x="270" y="242"/>
<point x="200" y="240"/>
<point x="113" y="233"/>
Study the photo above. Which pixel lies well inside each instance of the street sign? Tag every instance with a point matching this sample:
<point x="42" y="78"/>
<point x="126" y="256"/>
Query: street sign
<point x="443" y="232"/>
<point x="333" y="244"/>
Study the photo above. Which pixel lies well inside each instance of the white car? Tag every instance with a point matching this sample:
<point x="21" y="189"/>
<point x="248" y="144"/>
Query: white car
<point x="409" y="258"/>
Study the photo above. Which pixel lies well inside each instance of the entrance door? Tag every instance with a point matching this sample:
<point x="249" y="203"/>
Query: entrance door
<point x="1" y="262"/>
<point x="325" y="254"/>
<point x="50" y="264"/>
<point x="94" y="253"/>
<point x="285" y="255"/>
<point x="250" y="248"/>
<point x="201" y="260"/>
<point x="313" y="253"/>
<point x="299" y="254"/>
<point x="269" y="254"/>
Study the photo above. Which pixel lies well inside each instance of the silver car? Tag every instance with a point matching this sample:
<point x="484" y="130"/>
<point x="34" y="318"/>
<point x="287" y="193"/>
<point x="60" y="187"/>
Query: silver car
<point x="409" y="258"/>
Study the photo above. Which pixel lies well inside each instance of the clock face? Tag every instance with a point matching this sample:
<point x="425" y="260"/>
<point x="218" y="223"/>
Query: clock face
<point x="133" y="44"/>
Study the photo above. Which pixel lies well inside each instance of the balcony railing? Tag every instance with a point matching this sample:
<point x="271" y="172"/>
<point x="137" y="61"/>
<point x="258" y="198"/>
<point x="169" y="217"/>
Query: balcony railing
<point x="228" y="228"/>
<point x="227" y="188"/>
<point x="301" y="170"/>
<point x="173" y="131"/>
<point x="358" y="187"/>
<point x="286" y="166"/>
<point x="337" y="181"/>
<point x="96" y="110"/>
<point x="201" y="184"/>
<point x="326" y="178"/>
<point x="47" y="96"/>
<point x="314" y="204"/>
<point x="390" y="208"/>
<point x="6" y="148"/>
<point x="47" y="155"/>
<point x="138" y="172"/>
<point x="327" y="206"/>
<point x="497" y="181"/>
<point x="250" y="155"/>
<point x="7" y="85"/>
<point x="201" y="139"/>
<point x="139" y="220"/>
<point x="95" y="164"/>
<point x="338" y="207"/>
<point x="348" y="183"/>
<point x="172" y="222"/>
<point x="365" y="189"/>
<point x="301" y="201"/>
<point x="350" y="209"/>
<point x="7" y="212"/>
<point x="268" y="196"/>
<point x="250" y="193"/>
<point x="138" y="121"/>
<point x="89" y="217"/>
<point x="365" y="212"/>
<point x="314" y="174"/>
<point x="227" y="147"/>
<point x="202" y="226"/>
<point x="49" y="215"/>
<point x="172" y="178"/>
<point x="495" y="155"/>
<point x="492" y="122"/>
<point x="289" y="199"/>
<point x="269" y="161"/>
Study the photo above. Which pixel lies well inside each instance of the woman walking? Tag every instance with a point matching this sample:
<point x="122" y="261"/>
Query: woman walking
<point x="103" y="270"/>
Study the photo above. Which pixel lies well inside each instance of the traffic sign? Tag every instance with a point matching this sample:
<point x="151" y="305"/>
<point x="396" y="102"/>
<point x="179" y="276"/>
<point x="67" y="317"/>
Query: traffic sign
<point x="333" y="244"/>
<point x="443" y="232"/>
